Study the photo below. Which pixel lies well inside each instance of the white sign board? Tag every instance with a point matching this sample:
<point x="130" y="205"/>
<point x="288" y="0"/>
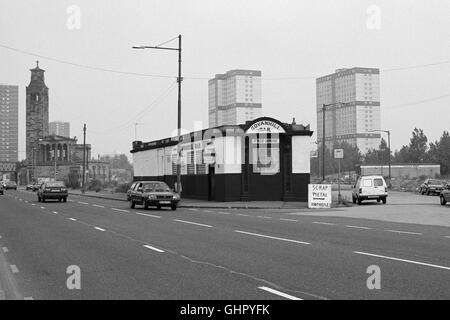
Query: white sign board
<point x="265" y="126"/>
<point x="339" y="153"/>
<point x="319" y="196"/>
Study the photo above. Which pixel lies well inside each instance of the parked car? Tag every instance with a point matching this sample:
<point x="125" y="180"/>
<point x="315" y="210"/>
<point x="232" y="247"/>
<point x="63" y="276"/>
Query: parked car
<point x="153" y="193"/>
<point x="445" y="194"/>
<point x="432" y="186"/>
<point x="52" y="190"/>
<point x="29" y="187"/>
<point x="129" y="190"/>
<point x="370" y="188"/>
<point x="10" y="185"/>
<point x="36" y="186"/>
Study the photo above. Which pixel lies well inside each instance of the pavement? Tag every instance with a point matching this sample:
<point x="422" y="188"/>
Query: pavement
<point x="203" y="253"/>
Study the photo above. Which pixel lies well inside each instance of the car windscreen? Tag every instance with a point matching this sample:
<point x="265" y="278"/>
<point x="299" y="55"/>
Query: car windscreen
<point x="435" y="182"/>
<point x="56" y="184"/>
<point x="155" y="187"/>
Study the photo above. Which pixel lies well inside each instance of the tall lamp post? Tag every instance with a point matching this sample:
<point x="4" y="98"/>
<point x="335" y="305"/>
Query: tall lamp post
<point x="389" y="150"/>
<point x="179" y="79"/>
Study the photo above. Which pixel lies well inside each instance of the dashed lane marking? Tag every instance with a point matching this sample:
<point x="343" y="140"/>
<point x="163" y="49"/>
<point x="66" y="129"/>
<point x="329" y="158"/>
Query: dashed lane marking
<point x="14" y="268"/>
<point x="264" y="217"/>
<point x="147" y="215"/>
<point x="72" y="219"/>
<point x="324" y="223"/>
<point x="194" y="223"/>
<point x="5" y="249"/>
<point x="358" y="227"/>
<point x="98" y="206"/>
<point x="55" y="212"/>
<point x="242" y="214"/>
<point x="42" y="207"/>
<point x="271" y="237"/>
<point x="120" y="210"/>
<point x="99" y="229"/>
<point x="279" y="293"/>
<point x="292" y="220"/>
<point x="405" y="232"/>
<point x="153" y="248"/>
<point x="81" y="202"/>
<point x="403" y="260"/>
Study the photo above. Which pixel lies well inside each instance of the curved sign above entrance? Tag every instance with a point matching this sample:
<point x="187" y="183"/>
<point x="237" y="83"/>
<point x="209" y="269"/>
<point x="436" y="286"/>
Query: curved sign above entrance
<point x="265" y="125"/>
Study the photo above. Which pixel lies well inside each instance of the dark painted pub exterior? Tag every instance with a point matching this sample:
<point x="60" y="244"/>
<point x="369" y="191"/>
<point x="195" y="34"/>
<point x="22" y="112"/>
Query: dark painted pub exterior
<point x="264" y="160"/>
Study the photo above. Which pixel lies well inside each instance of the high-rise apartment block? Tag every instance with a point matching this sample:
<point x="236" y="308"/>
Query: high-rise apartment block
<point x="9" y="123"/>
<point x="234" y="97"/>
<point x="352" y="111"/>
<point x="60" y="128"/>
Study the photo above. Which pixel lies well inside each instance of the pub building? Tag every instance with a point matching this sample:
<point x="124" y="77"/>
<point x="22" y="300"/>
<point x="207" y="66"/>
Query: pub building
<point x="261" y="160"/>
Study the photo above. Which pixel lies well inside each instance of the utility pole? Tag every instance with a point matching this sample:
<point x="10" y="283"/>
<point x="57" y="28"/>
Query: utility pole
<point x="179" y="80"/>
<point x="389" y="150"/>
<point x="323" y="143"/>
<point x="84" y="157"/>
<point x="55" y="154"/>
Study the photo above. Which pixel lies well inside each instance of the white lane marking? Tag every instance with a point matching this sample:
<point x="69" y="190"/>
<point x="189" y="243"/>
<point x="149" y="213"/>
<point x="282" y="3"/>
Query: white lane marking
<point x="98" y="206"/>
<point x="5" y="249"/>
<point x="33" y="204"/>
<point x="120" y="210"/>
<point x="279" y="293"/>
<point x="242" y="214"/>
<point x="292" y="220"/>
<point x="264" y="217"/>
<point x="99" y="229"/>
<point x="0" y="236"/>
<point x="405" y="232"/>
<point x="153" y="248"/>
<point x="223" y="212"/>
<point x="325" y="223"/>
<point x="448" y="237"/>
<point x="26" y="201"/>
<point x="208" y="211"/>
<point x="20" y="199"/>
<point x="81" y="202"/>
<point x="147" y="215"/>
<point x="270" y="237"/>
<point x="403" y="260"/>
<point x="14" y="268"/>
<point x="72" y="219"/>
<point x="55" y="212"/>
<point x="42" y="207"/>
<point x="358" y="227"/>
<point x="195" y="223"/>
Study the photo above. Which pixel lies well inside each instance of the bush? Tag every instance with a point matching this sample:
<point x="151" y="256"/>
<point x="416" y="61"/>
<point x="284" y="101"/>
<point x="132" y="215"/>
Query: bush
<point x="123" y="187"/>
<point x="95" y="185"/>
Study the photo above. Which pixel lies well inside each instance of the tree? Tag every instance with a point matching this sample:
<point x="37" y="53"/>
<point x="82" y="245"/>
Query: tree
<point x="439" y="152"/>
<point x="418" y="146"/>
<point x="378" y="156"/>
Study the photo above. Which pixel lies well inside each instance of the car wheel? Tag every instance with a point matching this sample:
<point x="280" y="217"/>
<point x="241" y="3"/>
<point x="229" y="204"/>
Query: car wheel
<point x="60" y="199"/>
<point x="359" y="201"/>
<point x="145" y="204"/>
<point x="173" y="207"/>
<point x="443" y="201"/>
<point x="384" y="200"/>
<point x="158" y="207"/>
<point x="378" y="200"/>
<point x="43" y="199"/>
<point x="131" y="204"/>
<point x="428" y="192"/>
<point x="65" y="199"/>
<point x="353" y="200"/>
<point x="39" y="199"/>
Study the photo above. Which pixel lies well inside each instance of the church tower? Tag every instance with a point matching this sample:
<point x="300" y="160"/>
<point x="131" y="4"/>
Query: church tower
<point x="36" y="115"/>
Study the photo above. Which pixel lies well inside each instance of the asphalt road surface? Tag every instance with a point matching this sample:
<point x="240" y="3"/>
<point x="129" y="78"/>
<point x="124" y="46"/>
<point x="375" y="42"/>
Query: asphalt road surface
<point x="127" y="253"/>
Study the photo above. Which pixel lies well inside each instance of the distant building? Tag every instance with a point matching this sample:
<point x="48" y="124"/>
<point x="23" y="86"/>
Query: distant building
<point x="9" y="126"/>
<point x="355" y="94"/>
<point x="234" y="97"/>
<point x="37" y="114"/>
<point x="59" y="128"/>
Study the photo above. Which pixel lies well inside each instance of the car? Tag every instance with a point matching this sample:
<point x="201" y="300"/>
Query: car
<point x="36" y="186"/>
<point x="432" y="186"/>
<point x="445" y="194"/>
<point x="10" y="185"/>
<point x="29" y="187"/>
<point x="370" y="188"/>
<point x="129" y="190"/>
<point x="1" y="189"/>
<point x="153" y="193"/>
<point x="52" y="190"/>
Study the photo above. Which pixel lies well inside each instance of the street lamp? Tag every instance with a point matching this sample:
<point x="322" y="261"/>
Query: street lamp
<point x="179" y="79"/>
<point x="389" y="149"/>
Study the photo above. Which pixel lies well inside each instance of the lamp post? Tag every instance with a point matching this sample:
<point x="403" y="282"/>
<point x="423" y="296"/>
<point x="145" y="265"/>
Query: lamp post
<point x="179" y="79"/>
<point x="389" y="150"/>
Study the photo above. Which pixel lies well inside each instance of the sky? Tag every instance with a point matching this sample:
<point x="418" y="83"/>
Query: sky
<point x="291" y="42"/>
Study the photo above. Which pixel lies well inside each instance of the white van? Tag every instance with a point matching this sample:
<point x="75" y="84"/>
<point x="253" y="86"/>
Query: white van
<point x="370" y="188"/>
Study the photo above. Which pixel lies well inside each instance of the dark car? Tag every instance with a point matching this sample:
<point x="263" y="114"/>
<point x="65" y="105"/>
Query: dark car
<point x="432" y="186"/>
<point x="10" y="185"/>
<point x="52" y="190"/>
<point x="445" y="194"/>
<point x="1" y="189"/>
<point x="129" y="190"/>
<point x="36" y="186"/>
<point x="153" y="193"/>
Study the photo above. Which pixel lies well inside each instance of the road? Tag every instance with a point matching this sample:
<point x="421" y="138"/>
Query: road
<point x="191" y="253"/>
